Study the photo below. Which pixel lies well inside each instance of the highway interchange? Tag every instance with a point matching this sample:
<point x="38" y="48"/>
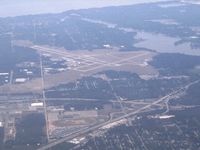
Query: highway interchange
<point x="125" y="116"/>
<point x="87" y="60"/>
<point x="90" y="64"/>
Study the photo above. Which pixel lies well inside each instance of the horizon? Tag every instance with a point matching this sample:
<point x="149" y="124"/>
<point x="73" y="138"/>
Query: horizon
<point x="13" y="8"/>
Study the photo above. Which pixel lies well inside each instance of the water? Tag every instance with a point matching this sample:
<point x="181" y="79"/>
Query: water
<point x="158" y="42"/>
<point x="164" y="44"/>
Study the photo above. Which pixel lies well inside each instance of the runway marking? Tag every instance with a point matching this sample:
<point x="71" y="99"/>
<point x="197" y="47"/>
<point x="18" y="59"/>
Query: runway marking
<point x="89" y="60"/>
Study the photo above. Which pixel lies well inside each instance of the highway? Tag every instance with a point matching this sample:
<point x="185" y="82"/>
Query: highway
<point x="100" y="64"/>
<point x="32" y="100"/>
<point x="96" y="127"/>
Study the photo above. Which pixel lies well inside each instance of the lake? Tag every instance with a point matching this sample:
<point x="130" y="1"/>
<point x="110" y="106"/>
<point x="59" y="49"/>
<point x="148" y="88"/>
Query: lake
<point x="164" y="44"/>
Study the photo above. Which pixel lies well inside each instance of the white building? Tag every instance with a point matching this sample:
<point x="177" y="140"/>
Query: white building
<point x="20" y="80"/>
<point x="40" y="104"/>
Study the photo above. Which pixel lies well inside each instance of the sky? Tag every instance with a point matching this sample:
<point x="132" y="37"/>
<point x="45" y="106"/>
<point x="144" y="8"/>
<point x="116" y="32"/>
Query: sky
<point x="25" y="7"/>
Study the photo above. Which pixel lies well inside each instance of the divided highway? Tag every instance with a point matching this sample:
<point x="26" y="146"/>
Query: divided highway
<point x="96" y="127"/>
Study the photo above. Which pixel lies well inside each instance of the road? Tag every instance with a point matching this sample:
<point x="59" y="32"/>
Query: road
<point x="96" y="127"/>
<point x="176" y="96"/>
<point x="44" y="97"/>
<point x="11" y="77"/>
<point x="32" y="100"/>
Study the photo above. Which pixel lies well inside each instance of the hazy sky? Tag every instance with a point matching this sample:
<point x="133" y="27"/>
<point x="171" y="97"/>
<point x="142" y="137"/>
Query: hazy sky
<point x="24" y="7"/>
